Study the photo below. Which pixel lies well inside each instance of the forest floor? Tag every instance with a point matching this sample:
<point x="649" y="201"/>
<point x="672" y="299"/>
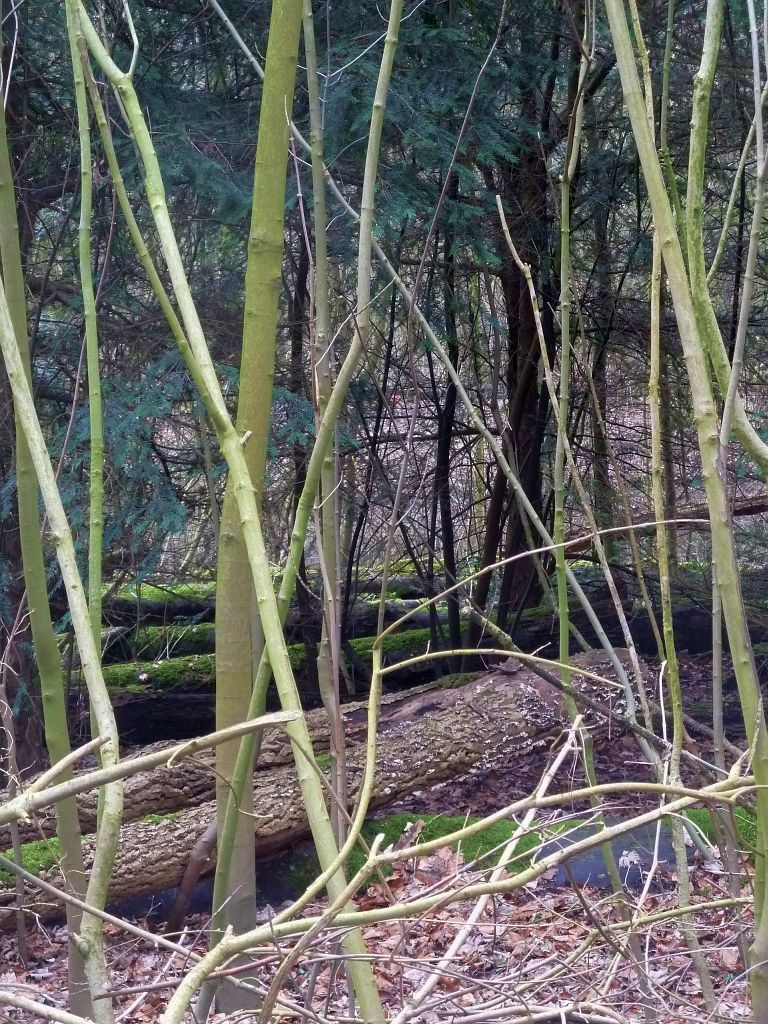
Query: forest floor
<point x="547" y="951"/>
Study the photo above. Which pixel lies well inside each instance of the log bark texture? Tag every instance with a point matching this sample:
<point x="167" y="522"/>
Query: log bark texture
<point x="425" y="738"/>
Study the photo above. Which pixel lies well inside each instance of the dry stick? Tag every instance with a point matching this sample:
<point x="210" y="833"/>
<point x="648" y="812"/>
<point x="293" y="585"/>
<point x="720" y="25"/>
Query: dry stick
<point x="714" y="266"/>
<point x="748" y="290"/>
<point x="323" y="922"/>
<point x="57" y="769"/>
<point x="131" y="1009"/>
<point x="625" y="502"/>
<point x="416" y="999"/>
<point x="41" y="1011"/>
<point x="573" y="147"/>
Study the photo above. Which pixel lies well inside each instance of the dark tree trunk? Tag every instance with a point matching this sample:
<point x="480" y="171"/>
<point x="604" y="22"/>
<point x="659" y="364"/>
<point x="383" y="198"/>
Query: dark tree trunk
<point x="445" y="422"/>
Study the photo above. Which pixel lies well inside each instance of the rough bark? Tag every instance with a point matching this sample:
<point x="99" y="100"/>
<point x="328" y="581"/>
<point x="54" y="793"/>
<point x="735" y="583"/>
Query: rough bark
<point x="191" y="781"/>
<point x="425" y="738"/>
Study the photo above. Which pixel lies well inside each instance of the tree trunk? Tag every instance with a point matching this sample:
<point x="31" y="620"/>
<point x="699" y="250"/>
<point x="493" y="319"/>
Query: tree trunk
<point x="239" y="639"/>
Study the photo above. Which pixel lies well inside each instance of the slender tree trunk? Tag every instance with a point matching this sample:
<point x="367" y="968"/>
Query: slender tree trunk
<point x="690" y="297"/>
<point x="445" y="422"/>
<point x="239" y="641"/>
<point x="47" y="655"/>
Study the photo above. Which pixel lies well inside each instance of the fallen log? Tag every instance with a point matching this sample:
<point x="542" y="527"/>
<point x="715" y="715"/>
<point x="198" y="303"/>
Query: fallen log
<point x="191" y="781"/>
<point x="166" y="608"/>
<point x="198" y="636"/>
<point x="439" y="734"/>
<point x="693" y="517"/>
<point x="174" y="698"/>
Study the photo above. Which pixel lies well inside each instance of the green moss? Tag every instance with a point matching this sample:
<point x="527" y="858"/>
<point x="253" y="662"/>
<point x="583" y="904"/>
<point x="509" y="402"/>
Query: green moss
<point x="746" y="825"/>
<point x="188" y="591"/>
<point x="197" y="672"/>
<point x="155" y="642"/>
<point x="486" y="844"/>
<point x="158" y="819"/>
<point x="36" y="857"/>
<point x="455" y="679"/>
<point x="323" y="761"/>
<point x="409" y="643"/>
<point x="477" y="846"/>
<point x="193" y="673"/>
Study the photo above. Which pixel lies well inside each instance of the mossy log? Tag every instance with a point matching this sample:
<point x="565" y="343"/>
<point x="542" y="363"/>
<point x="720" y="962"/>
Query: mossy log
<point x="693" y="626"/>
<point x="158" y="606"/>
<point x="424" y="739"/>
<point x="173" y="698"/>
<point x="198" y="635"/>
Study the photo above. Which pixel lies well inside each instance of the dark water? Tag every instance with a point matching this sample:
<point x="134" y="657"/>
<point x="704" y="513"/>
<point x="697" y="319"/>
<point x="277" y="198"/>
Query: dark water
<point x="276" y="884"/>
<point x="634" y="854"/>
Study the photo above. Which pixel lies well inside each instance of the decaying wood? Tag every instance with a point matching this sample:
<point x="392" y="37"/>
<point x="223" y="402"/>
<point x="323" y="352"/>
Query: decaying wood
<point x="189" y="782"/>
<point x="424" y="738"/>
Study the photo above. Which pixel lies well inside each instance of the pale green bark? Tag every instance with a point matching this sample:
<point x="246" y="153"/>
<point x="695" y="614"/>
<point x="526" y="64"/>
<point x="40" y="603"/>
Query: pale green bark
<point x="758" y="208"/>
<point x="90" y="940"/>
<point x="322" y="445"/>
<point x="328" y="661"/>
<point x="47" y="655"/>
<point x="670" y="650"/>
<point x="326" y="430"/>
<point x="202" y="370"/>
<point x="686" y="298"/>
<point x="708" y="327"/>
<point x="239" y="639"/>
<point x="95" y="418"/>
